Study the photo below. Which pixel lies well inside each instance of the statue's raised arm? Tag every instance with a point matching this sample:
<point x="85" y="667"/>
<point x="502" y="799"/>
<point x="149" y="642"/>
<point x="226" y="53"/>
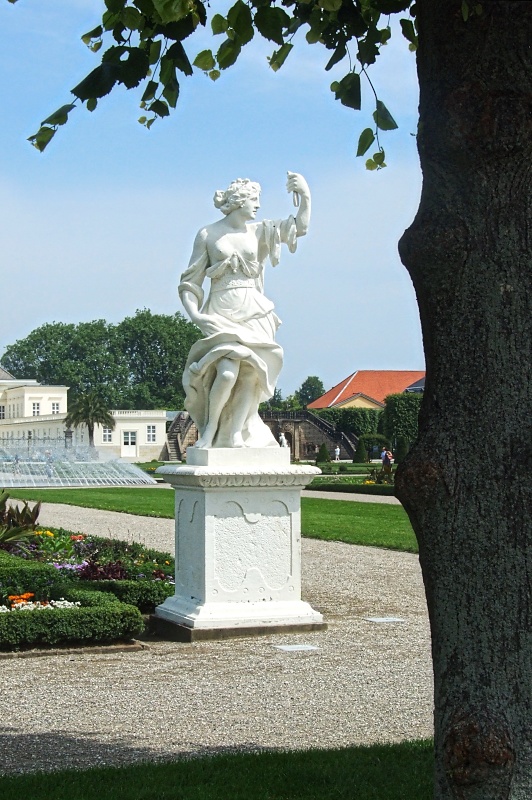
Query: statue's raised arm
<point x="237" y="363"/>
<point x="301" y="194"/>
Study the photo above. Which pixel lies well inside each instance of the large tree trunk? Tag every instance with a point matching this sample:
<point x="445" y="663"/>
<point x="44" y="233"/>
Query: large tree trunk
<point x="467" y="484"/>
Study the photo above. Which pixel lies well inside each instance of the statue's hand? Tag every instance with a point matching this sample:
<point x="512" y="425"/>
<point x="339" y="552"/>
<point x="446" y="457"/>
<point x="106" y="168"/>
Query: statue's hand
<point x="296" y="183"/>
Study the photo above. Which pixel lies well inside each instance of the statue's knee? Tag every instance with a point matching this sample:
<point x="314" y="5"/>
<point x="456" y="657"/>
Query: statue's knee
<point x="227" y="376"/>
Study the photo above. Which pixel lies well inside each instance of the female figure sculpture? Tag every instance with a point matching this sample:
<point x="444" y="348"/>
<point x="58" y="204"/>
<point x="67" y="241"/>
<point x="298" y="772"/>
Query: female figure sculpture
<point x="237" y="363"/>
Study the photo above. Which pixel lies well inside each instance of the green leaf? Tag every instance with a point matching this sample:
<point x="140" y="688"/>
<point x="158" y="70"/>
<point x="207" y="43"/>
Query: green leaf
<point x="172" y="10"/>
<point x="408" y="30"/>
<point x="149" y="91"/>
<point x="109" y="20"/>
<point x="60" y="116"/>
<point x="99" y="82"/>
<point x="96" y="46"/>
<point x="383" y="118"/>
<point x="337" y="56"/>
<point x="393" y="6"/>
<point x="378" y="157"/>
<point x="115" y="6"/>
<point x="367" y="51"/>
<point x="132" y="18"/>
<point x="367" y="137"/>
<point x="144" y="6"/>
<point x="371" y="165"/>
<point x="94" y="34"/>
<point x="348" y="90"/>
<point x="279" y="56"/>
<point x="330" y="5"/>
<point x="385" y="35"/>
<point x="219" y="24"/>
<point x="142" y="120"/>
<point x="228" y="54"/>
<point x="313" y="36"/>
<point x="178" y="55"/>
<point x="155" y="51"/>
<point x="205" y="60"/>
<point x="160" y="108"/>
<point x="240" y="19"/>
<point x="465" y="10"/>
<point x="167" y="72"/>
<point x="171" y="92"/>
<point x="214" y="74"/>
<point x="270" y="22"/>
<point x="91" y="104"/>
<point x="135" y="68"/>
<point x="41" y="139"/>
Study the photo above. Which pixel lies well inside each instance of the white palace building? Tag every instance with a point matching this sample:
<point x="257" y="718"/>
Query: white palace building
<point x="33" y="414"/>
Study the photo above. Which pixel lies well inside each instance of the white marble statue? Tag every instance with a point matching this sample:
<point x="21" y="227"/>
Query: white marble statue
<point x="237" y="363"/>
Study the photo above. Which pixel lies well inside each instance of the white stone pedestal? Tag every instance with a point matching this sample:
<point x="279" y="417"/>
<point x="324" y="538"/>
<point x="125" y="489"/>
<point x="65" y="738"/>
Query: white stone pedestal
<point x="237" y="545"/>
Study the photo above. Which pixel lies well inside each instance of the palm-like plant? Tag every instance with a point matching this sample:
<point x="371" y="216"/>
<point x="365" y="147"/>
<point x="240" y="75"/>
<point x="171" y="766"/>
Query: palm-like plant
<point x="90" y="409"/>
<point x="17" y="524"/>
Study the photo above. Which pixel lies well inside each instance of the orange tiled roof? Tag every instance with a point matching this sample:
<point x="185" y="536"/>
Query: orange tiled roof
<point x="373" y="383"/>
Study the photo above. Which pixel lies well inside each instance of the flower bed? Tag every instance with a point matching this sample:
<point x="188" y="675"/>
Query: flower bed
<point x="94" y="589"/>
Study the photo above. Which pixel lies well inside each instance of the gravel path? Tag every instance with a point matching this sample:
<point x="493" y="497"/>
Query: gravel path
<point x="364" y="682"/>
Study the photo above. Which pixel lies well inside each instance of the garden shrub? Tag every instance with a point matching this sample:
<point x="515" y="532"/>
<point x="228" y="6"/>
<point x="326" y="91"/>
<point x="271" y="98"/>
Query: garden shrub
<point x="145" y="595"/>
<point x="401" y="450"/>
<point x="351" y="420"/>
<point x="361" y="453"/>
<point x="18" y="576"/>
<point x="400" y="415"/>
<point x="323" y="454"/>
<point x="104" y="622"/>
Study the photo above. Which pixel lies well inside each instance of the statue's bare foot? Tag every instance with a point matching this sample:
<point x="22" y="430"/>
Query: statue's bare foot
<point x="237" y="440"/>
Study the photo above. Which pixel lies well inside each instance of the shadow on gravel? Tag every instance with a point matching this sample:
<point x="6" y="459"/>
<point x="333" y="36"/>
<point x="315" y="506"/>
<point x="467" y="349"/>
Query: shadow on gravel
<point x="47" y="752"/>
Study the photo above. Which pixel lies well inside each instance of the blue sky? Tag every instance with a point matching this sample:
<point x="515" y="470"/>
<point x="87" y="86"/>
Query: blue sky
<point x="103" y="222"/>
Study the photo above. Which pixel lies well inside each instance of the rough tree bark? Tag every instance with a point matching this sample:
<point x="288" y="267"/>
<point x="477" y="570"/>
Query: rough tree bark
<point x="467" y="484"/>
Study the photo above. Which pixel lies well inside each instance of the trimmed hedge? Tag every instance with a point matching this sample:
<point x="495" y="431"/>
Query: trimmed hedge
<point x="101" y="617"/>
<point x="18" y="576"/>
<point x="145" y="595"/>
<point x="99" y="623"/>
<point x="353" y="488"/>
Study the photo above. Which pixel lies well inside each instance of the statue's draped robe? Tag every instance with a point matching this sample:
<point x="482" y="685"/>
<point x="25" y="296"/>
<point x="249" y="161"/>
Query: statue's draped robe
<point x="246" y="326"/>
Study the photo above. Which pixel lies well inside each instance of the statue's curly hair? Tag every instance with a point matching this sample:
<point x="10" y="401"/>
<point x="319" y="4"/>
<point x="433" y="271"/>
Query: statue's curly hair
<point x="236" y="193"/>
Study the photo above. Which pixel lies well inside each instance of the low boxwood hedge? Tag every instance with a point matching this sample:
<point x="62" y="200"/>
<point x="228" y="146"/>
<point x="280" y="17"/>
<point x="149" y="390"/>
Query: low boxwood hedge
<point x="353" y="488"/>
<point x="104" y="622"/>
<point x="18" y="576"/>
<point x="145" y="595"/>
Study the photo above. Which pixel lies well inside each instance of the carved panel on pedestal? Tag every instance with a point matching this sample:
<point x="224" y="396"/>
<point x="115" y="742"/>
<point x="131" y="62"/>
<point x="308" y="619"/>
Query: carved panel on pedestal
<point x="186" y="544"/>
<point x="253" y="549"/>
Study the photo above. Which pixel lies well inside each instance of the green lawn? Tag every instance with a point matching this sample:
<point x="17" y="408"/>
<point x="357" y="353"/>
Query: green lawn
<point x="385" y="772"/>
<point x="373" y="524"/>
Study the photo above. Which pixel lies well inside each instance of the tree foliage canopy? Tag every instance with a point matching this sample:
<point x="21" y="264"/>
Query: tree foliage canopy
<point x="311" y="388"/>
<point x="145" y="48"/>
<point x="135" y="364"/>
<point x="89" y="409"/>
<point x="400" y="416"/>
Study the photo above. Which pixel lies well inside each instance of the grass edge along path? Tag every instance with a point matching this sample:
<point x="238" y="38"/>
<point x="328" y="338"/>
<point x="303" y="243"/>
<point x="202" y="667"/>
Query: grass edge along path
<point x="369" y="524"/>
<point x="376" y="772"/>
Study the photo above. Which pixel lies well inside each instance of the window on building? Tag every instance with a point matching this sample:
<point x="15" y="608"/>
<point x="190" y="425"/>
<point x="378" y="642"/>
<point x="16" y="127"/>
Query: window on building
<point x="2" y="412"/>
<point x="107" y="435"/>
<point x="150" y="434"/>
<point x="36" y="409"/>
<point x="55" y="408"/>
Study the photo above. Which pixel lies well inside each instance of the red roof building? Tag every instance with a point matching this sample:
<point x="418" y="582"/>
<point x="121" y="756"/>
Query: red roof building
<point x="367" y="388"/>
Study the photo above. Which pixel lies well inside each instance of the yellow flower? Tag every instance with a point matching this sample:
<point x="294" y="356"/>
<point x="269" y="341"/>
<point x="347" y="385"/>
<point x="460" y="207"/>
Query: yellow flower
<point x="48" y="533"/>
<point x="166" y="562"/>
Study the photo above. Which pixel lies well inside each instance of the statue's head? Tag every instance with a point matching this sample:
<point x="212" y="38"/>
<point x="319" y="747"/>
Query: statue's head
<point x="235" y="195"/>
